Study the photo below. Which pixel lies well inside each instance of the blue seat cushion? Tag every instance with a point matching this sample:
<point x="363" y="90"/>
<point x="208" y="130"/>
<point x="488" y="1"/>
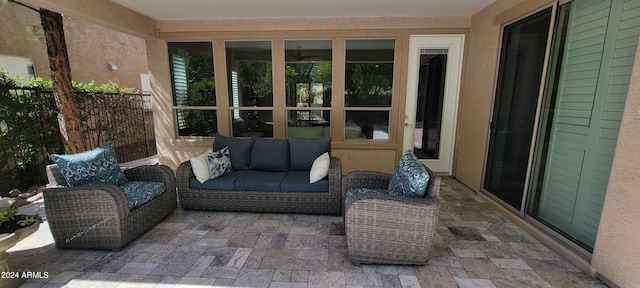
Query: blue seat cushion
<point x="97" y="166"/>
<point x="140" y="192"/>
<point x="224" y="182"/>
<point x="410" y="178"/>
<point x="239" y="150"/>
<point x="298" y="181"/>
<point x="305" y="151"/>
<point x="260" y="180"/>
<point x="269" y="155"/>
<point x="355" y="191"/>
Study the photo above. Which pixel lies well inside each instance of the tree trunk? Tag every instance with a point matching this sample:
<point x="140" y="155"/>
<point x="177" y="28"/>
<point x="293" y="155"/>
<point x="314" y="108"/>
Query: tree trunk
<point x="68" y="118"/>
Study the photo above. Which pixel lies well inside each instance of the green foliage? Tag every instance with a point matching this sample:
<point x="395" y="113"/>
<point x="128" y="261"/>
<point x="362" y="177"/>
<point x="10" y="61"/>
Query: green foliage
<point x="257" y="77"/>
<point x="7" y="213"/>
<point x="28" y="122"/>
<point x="28" y="220"/>
<point x="6" y="80"/>
<point x="369" y="83"/>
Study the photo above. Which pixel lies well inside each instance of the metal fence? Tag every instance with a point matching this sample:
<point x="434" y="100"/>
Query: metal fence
<point x="29" y="130"/>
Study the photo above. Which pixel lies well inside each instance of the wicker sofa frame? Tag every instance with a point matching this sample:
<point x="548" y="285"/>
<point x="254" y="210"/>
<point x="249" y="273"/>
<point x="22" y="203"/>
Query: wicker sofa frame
<point x="261" y="201"/>
<point x="98" y="216"/>
<point x="387" y="229"/>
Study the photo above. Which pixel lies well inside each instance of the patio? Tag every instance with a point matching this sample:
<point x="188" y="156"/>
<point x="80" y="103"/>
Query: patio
<point x="475" y="246"/>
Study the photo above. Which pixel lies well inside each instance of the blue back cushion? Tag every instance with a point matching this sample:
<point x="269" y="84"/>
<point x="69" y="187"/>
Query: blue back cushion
<point x="269" y="155"/>
<point x="410" y="178"/>
<point x="305" y="151"/>
<point x="239" y="150"/>
<point x="97" y="166"/>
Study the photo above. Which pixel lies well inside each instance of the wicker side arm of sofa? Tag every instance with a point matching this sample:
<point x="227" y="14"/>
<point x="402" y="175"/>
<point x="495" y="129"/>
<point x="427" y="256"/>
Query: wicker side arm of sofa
<point x="387" y="229"/>
<point x="98" y="216"/>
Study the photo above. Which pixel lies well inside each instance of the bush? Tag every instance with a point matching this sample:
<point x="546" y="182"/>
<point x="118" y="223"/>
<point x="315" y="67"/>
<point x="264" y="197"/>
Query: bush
<point x="29" y="129"/>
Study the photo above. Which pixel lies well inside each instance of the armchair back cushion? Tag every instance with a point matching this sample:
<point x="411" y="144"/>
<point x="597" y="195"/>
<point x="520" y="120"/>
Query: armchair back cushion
<point x="97" y="166"/>
<point x="410" y="178"/>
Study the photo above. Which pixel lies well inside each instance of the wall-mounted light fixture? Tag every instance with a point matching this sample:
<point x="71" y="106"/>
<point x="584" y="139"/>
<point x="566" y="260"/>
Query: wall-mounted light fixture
<point x="112" y="66"/>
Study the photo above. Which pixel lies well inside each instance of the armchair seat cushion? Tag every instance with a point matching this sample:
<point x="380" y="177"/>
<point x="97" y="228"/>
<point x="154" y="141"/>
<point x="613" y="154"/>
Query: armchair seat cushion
<point x="140" y="192"/>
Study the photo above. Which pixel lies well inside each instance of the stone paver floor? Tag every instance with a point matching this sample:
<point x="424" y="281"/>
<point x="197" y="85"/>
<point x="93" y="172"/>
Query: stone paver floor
<point x="475" y="246"/>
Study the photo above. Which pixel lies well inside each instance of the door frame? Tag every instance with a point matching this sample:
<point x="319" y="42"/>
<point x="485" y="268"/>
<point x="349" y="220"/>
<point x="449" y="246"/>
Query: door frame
<point x="454" y="44"/>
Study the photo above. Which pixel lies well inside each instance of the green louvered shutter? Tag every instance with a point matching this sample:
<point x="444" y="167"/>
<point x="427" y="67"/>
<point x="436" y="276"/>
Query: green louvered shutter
<point x="594" y="78"/>
<point x="179" y="74"/>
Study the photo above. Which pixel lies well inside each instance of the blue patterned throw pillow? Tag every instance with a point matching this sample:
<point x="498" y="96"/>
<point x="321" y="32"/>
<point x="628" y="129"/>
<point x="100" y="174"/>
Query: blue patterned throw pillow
<point x="410" y="179"/>
<point x="219" y="162"/>
<point x="97" y="166"/>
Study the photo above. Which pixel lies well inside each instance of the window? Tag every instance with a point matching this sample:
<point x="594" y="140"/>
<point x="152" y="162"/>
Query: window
<point x="250" y="82"/>
<point x="368" y="88"/>
<point x="194" y="95"/>
<point x="308" y="87"/>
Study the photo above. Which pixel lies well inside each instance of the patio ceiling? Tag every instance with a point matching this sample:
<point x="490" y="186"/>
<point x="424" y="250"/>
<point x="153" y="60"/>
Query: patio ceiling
<point x="254" y="9"/>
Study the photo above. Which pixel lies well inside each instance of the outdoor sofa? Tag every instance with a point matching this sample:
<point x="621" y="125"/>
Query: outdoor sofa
<point x="267" y="175"/>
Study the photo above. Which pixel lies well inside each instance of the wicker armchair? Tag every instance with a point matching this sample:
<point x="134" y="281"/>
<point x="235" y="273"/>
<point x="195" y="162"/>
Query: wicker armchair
<point x="387" y="229"/>
<point x="98" y="216"/>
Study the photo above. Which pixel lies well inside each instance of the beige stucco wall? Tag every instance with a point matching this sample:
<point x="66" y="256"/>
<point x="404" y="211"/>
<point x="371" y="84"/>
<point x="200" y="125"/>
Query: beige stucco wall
<point x="476" y="102"/>
<point x="617" y="251"/>
<point x="90" y="47"/>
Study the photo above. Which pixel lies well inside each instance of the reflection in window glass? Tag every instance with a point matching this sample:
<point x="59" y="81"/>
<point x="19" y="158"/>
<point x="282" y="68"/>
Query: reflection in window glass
<point x="252" y="123"/>
<point x="308" y="73"/>
<point x="308" y="124"/>
<point x="249" y="73"/>
<point x="366" y="125"/>
<point x="193" y="85"/>
<point x="308" y="85"/>
<point x="193" y="122"/>
<point x="369" y="73"/>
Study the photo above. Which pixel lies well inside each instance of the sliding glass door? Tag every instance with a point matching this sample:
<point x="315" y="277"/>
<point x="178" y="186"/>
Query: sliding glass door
<point x="521" y="69"/>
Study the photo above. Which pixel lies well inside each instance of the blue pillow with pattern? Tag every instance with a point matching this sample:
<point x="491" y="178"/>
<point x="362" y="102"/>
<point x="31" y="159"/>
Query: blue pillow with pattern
<point x="94" y="167"/>
<point x="410" y="178"/>
<point x="219" y="163"/>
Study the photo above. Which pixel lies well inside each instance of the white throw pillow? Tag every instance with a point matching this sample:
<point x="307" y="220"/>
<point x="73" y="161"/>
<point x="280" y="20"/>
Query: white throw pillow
<point x="200" y="166"/>
<point x="320" y="168"/>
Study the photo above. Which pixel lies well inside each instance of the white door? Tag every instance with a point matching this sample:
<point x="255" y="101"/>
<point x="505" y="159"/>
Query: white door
<point x="433" y="88"/>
